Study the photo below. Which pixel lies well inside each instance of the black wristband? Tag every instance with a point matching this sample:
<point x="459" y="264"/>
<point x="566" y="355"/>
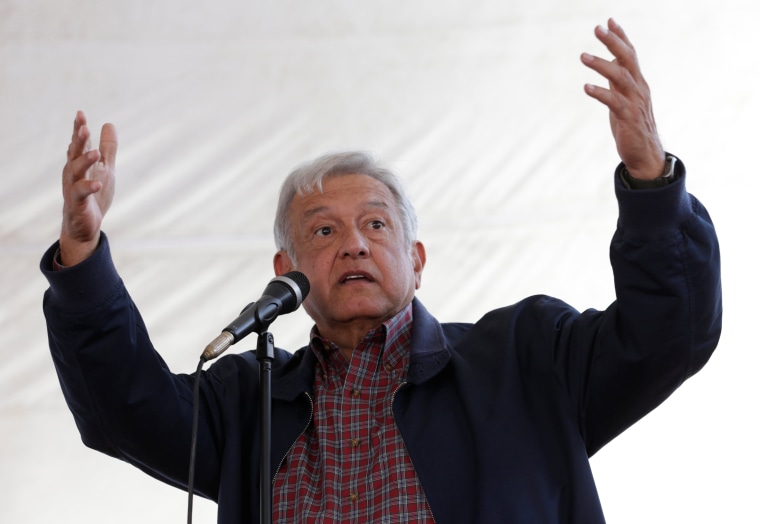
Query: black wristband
<point x="667" y="177"/>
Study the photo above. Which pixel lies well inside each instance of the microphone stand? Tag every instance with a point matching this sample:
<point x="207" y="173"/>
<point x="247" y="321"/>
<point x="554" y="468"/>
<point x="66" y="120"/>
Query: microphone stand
<point x="265" y="357"/>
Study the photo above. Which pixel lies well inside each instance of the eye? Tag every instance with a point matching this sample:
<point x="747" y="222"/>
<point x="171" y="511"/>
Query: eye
<point x="377" y="224"/>
<point x="323" y="231"/>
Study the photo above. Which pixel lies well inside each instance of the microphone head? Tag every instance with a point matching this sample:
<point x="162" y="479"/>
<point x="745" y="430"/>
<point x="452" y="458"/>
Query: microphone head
<point x="298" y="285"/>
<point x="282" y="295"/>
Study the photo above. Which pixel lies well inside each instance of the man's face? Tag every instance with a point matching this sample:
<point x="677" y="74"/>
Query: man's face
<point x="349" y="242"/>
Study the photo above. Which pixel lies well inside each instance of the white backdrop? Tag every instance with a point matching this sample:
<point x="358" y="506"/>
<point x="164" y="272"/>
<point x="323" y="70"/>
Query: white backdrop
<point x="479" y="106"/>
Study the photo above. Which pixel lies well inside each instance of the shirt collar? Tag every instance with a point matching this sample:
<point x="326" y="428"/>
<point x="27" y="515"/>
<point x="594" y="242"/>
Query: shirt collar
<point x="392" y="337"/>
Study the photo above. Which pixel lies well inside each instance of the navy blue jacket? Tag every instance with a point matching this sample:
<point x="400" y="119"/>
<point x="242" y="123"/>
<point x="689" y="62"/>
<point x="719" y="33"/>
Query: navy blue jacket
<point x="499" y="417"/>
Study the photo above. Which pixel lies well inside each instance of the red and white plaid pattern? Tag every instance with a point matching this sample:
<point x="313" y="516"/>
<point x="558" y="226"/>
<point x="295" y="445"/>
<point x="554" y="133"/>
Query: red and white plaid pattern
<point x="351" y="464"/>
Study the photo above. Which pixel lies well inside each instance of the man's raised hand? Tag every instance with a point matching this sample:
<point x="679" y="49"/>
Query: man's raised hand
<point x="88" y="188"/>
<point x="630" y="104"/>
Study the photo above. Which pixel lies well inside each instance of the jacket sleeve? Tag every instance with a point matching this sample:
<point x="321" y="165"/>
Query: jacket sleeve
<point x="125" y="401"/>
<point x="665" y="322"/>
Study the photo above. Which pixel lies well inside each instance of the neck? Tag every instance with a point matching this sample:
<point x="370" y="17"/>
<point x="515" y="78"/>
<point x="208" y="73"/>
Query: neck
<point x="348" y="337"/>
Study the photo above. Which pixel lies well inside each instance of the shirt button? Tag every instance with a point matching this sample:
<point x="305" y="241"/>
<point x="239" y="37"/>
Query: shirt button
<point x="388" y="367"/>
<point x="354" y="497"/>
<point x="355" y="442"/>
<point x="356" y="392"/>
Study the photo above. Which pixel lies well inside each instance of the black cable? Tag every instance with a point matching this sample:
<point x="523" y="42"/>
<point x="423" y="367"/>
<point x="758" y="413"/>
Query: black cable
<point x="194" y="441"/>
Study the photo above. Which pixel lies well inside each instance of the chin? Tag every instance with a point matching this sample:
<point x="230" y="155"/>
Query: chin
<point x="359" y="311"/>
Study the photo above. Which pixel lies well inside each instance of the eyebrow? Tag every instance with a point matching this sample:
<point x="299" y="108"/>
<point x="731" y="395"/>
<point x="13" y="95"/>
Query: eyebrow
<point x="314" y="211"/>
<point x="379" y="204"/>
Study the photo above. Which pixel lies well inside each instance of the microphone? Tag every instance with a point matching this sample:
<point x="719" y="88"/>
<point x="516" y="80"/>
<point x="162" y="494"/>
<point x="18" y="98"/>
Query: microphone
<point x="282" y="295"/>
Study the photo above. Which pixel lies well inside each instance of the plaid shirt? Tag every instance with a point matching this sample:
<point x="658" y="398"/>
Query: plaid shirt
<point x="351" y="465"/>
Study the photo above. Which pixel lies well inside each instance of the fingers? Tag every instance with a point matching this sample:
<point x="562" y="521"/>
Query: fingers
<point x="615" y="29"/>
<point x="617" y="43"/>
<point x="626" y="82"/>
<point x="623" y="73"/>
<point x="605" y="96"/>
<point x="80" y="138"/>
<point x="81" y="158"/>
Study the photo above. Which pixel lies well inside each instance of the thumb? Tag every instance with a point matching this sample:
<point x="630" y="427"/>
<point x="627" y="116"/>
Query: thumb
<point x="109" y="143"/>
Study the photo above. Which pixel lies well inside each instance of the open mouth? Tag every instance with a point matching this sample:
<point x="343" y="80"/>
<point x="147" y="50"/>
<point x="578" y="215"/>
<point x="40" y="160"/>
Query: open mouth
<point x="357" y="276"/>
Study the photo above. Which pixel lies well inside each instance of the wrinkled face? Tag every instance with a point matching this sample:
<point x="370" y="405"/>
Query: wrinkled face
<point x="349" y="242"/>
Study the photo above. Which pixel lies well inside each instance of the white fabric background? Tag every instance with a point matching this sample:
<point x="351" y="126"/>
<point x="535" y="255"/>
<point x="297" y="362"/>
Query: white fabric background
<point x="479" y="106"/>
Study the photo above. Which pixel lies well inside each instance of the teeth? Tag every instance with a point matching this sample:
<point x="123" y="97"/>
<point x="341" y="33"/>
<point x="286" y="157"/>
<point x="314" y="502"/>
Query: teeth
<point x="354" y="277"/>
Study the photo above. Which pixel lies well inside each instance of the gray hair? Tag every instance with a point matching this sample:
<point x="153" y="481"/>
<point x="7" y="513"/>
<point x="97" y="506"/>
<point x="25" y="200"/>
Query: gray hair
<point x="307" y="179"/>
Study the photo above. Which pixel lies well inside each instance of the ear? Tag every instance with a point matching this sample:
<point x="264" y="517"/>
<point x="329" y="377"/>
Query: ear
<point x="418" y="258"/>
<point x="282" y="263"/>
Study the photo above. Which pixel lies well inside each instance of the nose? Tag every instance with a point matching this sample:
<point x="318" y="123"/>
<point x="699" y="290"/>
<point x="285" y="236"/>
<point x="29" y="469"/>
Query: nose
<point x="354" y="244"/>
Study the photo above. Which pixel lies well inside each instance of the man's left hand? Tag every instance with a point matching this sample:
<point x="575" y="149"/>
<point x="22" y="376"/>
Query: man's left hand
<point x="630" y="104"/>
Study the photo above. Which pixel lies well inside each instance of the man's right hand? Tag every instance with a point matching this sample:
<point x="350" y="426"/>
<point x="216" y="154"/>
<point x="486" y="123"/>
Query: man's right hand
<point x="88" y="188"/>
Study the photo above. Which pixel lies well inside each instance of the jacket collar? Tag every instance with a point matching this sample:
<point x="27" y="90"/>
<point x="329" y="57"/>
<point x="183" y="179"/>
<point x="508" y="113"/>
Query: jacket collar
<point x="429" y="350"/>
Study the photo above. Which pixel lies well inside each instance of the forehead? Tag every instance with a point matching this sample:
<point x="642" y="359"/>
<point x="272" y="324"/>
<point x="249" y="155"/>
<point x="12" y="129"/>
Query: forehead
<point x="343" y="192"/>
